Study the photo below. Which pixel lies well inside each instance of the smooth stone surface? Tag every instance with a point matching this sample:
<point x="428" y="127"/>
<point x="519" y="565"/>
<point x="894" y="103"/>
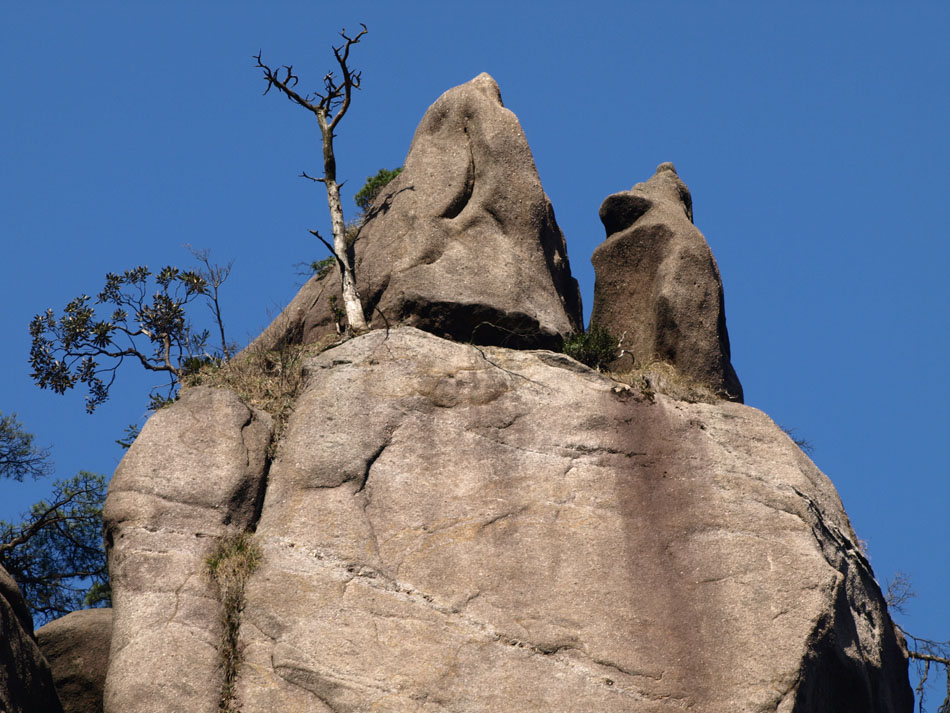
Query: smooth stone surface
<point x="77" y="649"/>
<point x="456" y="528"/>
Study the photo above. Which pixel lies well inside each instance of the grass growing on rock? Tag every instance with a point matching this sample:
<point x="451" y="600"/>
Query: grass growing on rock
<point x="230" y="565"/>
<point x="266" y="379"/>
<point x="663" y="378"/>
<point x="597" y="348"/>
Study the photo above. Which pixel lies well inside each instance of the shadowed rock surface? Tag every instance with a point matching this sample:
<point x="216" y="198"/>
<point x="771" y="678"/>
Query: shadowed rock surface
<point x="457" y="528"/>
<point x="194" y="475"/>
<point x="77" y="649"/>
<point x="463" y="243"/>
<point x="658" y="285"/>
<point x="26" y="684"/>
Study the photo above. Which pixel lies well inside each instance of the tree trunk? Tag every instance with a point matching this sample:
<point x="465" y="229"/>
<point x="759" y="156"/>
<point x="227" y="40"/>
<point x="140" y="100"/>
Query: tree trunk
<point x="352" y="304"/>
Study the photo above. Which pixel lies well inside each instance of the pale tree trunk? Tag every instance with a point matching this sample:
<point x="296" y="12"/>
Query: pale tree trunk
<point x="352" y="304"/>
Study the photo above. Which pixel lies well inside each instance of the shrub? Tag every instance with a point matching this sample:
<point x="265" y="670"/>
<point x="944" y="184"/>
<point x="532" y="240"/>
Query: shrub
<point x="596" y="347"/>
<point x="373" y="186"/>
<point x="659" y="377"/>
<point x="322" y="268"/>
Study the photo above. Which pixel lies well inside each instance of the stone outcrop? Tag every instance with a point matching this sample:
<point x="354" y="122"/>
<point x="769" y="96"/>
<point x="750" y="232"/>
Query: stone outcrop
<point x="481" y="527"/>
<point x="658" y="285"/>
<point x="463" y="243"/>
<point x="77" y="649"/>
<point x="26" y="684"/>
<point x="195" y="474"/>
<point x="450" y="527"/>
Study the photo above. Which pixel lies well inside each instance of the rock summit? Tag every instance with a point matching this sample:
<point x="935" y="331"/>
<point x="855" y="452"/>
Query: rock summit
<point x="463" y="243"/>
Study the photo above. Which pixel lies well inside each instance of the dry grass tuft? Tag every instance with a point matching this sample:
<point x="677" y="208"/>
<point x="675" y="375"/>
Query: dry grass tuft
<point x="660" y="377"/>
<point x="230" y="565"/>
<point x="266" y="379"/>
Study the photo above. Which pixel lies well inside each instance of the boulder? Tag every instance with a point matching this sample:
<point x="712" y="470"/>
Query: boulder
<point x="77" y="649"/>
<point x="450" y="527"/>
<point x="463" y="243"/>
<point x="26" y="684"/>
<point x="658" y="285"/>
<point x="195" y="475"/>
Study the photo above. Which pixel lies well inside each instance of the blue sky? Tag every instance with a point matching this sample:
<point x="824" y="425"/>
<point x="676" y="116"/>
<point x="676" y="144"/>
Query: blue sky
<point x="813" y="137"/>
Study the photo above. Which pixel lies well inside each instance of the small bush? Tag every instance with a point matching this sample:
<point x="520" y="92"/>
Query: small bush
<point x="596" y="347"/>
<point x="802" y="443"/>
<point x="322" y="268"/>
<point x="373" y="186"/>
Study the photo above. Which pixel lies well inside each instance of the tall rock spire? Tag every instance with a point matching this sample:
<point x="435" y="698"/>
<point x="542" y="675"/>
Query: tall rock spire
<point x="658" y="285"/>
<point x="463" y="243"/>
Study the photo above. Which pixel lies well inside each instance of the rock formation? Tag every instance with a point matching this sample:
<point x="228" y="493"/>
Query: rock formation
<point x="449" y="527"/>
<point x="470" y="527"/>
<point x="463" y="243"/>
<point x="195" y="474"/>
<point x="658" y="284"/>
<point x="77" y="649"/>
<point x="26" y="684"/>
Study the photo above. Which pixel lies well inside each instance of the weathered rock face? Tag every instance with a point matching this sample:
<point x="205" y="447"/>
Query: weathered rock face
<point x="457" y="528"/>
<point x="463" y="243"/>
<point x="657" y="284"/>
<point x="195" y="474"/>
<point x="26" y="684"/>
<point x="77" y="649"/>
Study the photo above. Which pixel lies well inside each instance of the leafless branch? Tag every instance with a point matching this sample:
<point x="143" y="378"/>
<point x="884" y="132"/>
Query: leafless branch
<point x="899" y="592"/>
<point x="304" y="174"/>
<point x="323" y="240"/>
<point x="351" y="79"/>
<point x="215" y="276"/>
<point x="926" y="652"/>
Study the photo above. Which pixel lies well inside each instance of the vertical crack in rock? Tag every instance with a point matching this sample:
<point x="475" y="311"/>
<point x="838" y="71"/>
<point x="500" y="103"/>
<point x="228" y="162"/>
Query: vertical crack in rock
<point x="256" y="495"/>
<point x="236" y="557"/>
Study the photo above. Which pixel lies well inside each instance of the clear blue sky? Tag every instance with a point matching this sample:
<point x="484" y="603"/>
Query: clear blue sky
<point x="813" y="136"/>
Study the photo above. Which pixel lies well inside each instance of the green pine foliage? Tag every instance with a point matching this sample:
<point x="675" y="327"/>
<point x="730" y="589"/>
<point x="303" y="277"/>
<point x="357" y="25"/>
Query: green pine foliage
<point x="373" y="186"/>
<point x="55" y="551"/>
<point x="19" y="454"/>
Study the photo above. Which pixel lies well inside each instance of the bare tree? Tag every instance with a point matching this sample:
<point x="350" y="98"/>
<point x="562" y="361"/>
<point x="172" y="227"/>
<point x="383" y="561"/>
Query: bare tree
<point x="924" y="652"/>
<point x="215" y="276"/>
<point x="329" y="106"/>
